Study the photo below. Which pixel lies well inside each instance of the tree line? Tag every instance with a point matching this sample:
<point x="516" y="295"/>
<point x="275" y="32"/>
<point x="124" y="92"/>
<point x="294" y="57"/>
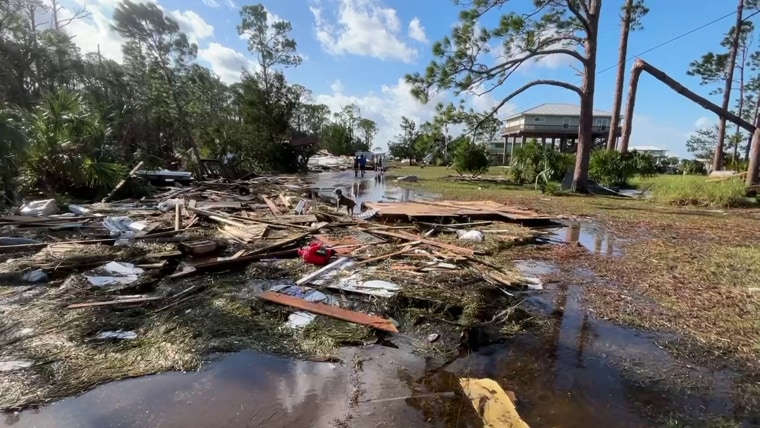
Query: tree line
<point x="73" y="122"/>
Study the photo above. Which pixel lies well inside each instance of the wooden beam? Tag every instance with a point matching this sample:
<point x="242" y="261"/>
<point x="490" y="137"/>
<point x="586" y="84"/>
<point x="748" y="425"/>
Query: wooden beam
<point x="330" y="311"/>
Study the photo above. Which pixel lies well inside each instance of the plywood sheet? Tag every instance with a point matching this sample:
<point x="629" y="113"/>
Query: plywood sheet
<point x="472" y="209"/>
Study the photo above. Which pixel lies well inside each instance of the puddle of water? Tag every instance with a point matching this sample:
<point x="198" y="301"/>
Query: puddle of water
<point x="247" y="389"/>
<point x="373" y="187"/>
<point x="592" y="237"/>
<point x="586" y="372"/>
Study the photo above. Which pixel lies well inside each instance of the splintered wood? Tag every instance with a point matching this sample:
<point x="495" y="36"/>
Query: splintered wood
<point x="473" y="210"/>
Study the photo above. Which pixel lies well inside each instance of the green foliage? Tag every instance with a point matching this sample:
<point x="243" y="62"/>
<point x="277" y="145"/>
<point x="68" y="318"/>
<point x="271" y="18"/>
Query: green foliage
<point x="68" y="151"/>
<point x="693" y="167"/>
<point x="471" y="158"/>
<point x="612" y="168"/>
<point x="531" y="159"/>
<point x="696" y="190"/>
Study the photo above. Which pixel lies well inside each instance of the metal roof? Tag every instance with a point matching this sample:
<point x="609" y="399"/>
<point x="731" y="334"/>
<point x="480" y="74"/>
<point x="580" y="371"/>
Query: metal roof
<point x="557" y="109"/>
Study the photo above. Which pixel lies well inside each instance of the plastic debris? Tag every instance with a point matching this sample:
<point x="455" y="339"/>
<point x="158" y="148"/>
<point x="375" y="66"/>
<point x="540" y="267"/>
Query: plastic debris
<point x="34" y="276"/>
<point x="117" y="335"/>
<point x="39" y="208"/>
<point x="12" y="240"/>
<point x="408" y="179"/>
<point x="8" y="366"/>
<point x="124" y="228"/>
<point x="433" y="337"/>
<point x="79" y="210"/>
<point x="470" y="235"/>
<point x="121" y="274"/>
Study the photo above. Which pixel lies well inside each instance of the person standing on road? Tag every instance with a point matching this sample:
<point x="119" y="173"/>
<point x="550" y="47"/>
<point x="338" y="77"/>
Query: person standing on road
<point x="356" y="166"/>
<point x="363" y="164"/>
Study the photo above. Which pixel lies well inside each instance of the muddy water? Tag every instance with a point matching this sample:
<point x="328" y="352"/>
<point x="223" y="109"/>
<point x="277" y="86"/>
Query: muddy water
<point x="591" y="236"/>
<point x="373" y="187"/>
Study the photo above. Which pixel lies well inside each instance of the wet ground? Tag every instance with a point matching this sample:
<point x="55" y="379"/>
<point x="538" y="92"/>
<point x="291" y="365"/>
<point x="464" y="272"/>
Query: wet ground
<point x="575" y="371"/>
<point x="373" y="187"/>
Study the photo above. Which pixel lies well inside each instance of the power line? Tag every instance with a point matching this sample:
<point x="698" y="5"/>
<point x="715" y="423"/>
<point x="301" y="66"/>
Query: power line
<point x="680" y="36"/>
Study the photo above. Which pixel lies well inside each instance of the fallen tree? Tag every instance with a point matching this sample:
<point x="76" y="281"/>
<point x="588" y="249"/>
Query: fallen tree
<point x="640" y="65"/>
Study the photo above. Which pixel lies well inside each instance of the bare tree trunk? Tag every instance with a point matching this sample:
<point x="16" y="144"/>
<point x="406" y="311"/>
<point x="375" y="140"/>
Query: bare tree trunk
<point x="620" y="79"/>
<point x="630" y="105"/>
<point x="749" y="140"/>
<point x="754" y="159"/>
<point x="585" y="125"/>
<point x="718" y="159"/>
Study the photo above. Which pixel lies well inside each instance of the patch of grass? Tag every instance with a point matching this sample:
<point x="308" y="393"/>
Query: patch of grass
<point x="436" y="172"/>
<point x="695" y="190"/>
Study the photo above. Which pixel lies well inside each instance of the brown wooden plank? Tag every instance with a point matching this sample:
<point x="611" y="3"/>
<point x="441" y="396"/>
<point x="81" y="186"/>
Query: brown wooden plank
<point x="410" y="237"/>
<point x="330" y="311"/>
<point x="284" y="201"/>
<point x="271" y="205"/>
<point x="113" y="302"/>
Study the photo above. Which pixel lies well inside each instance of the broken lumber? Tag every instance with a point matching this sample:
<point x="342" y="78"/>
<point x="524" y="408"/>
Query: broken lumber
<point x="385" y="256"/>
<point x="123" y="182"/>
<point x="220" y="265"/>
<point x="409" y="237"/>
<point x="271" y="205"/>
<point x="284" y="201"/>
<point x="330" y="311"/>
<point x="113" y="302"/>
<point x="316" y="274"/>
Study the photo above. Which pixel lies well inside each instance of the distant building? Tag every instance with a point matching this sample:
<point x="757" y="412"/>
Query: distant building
<point x="555" y="124"/>
<point x="656" y="152"/>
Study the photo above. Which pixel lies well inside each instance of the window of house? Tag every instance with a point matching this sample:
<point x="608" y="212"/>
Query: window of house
<point x="538" y="119"/>
<point x="566" y="122"/>
<point x="602" y="124"/>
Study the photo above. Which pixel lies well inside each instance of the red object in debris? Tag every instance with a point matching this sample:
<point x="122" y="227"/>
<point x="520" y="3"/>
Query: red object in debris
<point x="316" y="253"/>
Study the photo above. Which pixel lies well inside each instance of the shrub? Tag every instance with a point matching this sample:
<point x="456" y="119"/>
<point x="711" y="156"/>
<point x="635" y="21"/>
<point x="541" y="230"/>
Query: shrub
<point x="612" y="168"/>
<point x="693" y="167"/>
<point x="471" y="159"/>
<point x="530" y="159"/>
<point x="695" y="190"/>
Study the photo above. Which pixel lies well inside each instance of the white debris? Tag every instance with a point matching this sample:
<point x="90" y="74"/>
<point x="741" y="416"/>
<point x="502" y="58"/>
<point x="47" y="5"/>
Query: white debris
<point x="121" y="273"/>
<point x="39" y="208"/>
<point x="118" y="334"/>
<point x="124" y="227"/>
<point x="7" y="366"/>
<point x="470" y="235"/>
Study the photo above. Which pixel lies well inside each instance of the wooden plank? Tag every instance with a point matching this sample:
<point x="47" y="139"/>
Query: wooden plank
<point x="385" y="256"/>
<point x="453" y="209"/>
<point x="410" y="237"/>
<point x="271" y="205"/>
<point x="122" y="182"/>
<point x="316" y="274"/>
<point x="113" y="302"/>
<point x="177" y="217"/>
<point x="330" y="311"/>
<point x="210" y="205"/>
<point x="491" y="403"/>
<point x="284" y="201"/>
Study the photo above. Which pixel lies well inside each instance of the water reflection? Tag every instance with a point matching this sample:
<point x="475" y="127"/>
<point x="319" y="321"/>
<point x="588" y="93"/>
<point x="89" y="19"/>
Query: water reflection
<point x="592" y="237"/>
<point x="374" y="187"/>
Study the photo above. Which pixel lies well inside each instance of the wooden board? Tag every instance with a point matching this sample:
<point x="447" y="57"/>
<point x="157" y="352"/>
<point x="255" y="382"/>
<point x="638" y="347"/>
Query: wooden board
<point x="330" y="311"/>
<point x="349" y="242"/>
<point x="473" y="210"/>
<point x="491" y="403"/>
<point x="271" y="205"/>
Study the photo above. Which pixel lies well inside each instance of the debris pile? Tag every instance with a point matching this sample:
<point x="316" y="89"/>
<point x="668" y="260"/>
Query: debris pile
<point x="134" y="287"/>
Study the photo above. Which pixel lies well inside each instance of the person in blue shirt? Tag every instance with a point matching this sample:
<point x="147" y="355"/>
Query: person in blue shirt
<point x="363" y="164"/>
<point x="356" y="166"/>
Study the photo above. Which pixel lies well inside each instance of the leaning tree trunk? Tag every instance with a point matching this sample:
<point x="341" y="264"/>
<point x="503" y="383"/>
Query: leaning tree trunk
<point x="585" y="125"/>
<point x="622" y="55"/>
<point x="718" y="158"/>
<point x="660" y="75"/>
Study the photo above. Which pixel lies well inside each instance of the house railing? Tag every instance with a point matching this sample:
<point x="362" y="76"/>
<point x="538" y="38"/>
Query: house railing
<point x="557" y="129"/>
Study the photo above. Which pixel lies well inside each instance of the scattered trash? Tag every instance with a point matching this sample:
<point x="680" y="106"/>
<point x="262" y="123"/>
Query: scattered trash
<point x="12" y="365"/>
<point x="316" y="253"/>
<point x="39" y="208"/>
<point x="34" y="276"/>
<point x="491" y="403"/>
<point x="124" y="227"/>
<point x="116" y="335"/>
<point x="79" y="210"/>
<point x="122" y="274"/>
<point x="470" y="235"/>
<point x="8" y="240"/>
<point x="433" y="337"/>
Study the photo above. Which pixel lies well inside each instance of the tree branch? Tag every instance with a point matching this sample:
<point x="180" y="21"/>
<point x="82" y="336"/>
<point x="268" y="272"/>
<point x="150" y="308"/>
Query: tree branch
<point x="573" y="7"/>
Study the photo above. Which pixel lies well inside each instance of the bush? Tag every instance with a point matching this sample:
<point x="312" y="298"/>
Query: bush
<point x="612" y="168"/>
<point x="530" y="159"/>
<point x="695" y="190"/>
<point x="471" y="159"/>
<point x="693" y="167"/>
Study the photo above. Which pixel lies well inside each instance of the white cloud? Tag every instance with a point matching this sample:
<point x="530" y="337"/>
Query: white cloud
<point x="211" y="3"/>
<point x="193" y="25"/>
<point x="363" y="28"/>
<point x="704" y="122"/>
<point x="95" y="32"/>
<point x="417" y="31"/>
<point x="225" y="61"/>
<point x="232" y="4"/>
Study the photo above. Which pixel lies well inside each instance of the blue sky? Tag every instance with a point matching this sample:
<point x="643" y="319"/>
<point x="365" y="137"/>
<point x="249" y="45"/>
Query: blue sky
<point x="359" y="51"/>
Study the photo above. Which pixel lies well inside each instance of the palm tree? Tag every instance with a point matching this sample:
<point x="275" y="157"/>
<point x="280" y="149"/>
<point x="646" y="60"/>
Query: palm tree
<point x="68" y="148"/>
<point x="12" y="148"/>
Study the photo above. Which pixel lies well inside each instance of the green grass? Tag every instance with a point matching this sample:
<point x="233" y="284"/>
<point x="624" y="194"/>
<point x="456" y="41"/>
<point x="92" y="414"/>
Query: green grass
<point x="435" y="172"/>
<point x="695" y="190"/>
